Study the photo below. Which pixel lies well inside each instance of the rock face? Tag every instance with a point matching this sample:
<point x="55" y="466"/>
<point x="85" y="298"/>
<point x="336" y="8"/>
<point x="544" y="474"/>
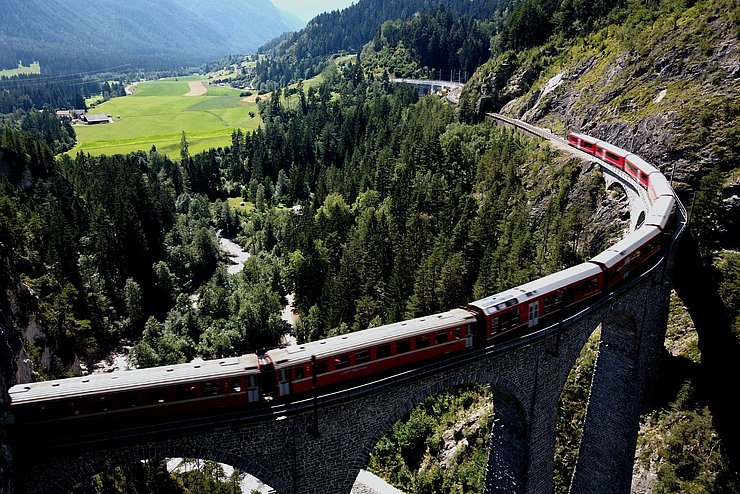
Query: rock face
<point x="14" y="367"/>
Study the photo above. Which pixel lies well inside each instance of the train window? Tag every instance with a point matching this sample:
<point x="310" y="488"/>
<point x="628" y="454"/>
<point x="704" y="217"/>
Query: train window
<point x="211" y="389"/>
<point x="458" y="333"/>
<point x="322" y="366"/>
<point x="422" y="342"/>
<point x="612" y="156"/>
<point x="508" y="321"/>
<point x="383" y="351"/>
<point x="587" y="286"/>
<point x="236" y="386"/>
<point x="128" y="400"/>
<point x="494" y="325"/>
<point x="586" y="144"/>
<point x="187" y="392"/>
<point x="341" y="362"/>
<point x="553" y="302"/>
<point x="156" y="396"/>
<point x="403" y="346"/>
<point x="362" y="357"/>
<point x="100" y="404"/>
<point x="299" y="373"/>
<point x="440" y="338"/>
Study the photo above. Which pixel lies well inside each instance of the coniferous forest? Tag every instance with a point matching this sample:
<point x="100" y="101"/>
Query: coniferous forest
<point x="405" y="212"/>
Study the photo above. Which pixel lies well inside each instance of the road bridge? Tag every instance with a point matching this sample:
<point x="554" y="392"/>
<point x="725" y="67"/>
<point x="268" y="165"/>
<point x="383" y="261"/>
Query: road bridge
<point x="320" y="446"/>
<point x="427" y="86"/>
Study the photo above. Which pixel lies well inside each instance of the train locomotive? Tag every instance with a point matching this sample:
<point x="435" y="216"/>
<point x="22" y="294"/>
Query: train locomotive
<point x="280" y="375"/>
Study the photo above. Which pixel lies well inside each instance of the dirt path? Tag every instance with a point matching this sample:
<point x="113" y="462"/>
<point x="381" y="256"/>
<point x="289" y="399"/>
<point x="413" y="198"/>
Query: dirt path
<point x="197" y="89"/>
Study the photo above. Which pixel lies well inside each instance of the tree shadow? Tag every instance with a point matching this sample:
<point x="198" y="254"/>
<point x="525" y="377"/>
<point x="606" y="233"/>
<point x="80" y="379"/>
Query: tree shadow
<point x="720" y="352"/>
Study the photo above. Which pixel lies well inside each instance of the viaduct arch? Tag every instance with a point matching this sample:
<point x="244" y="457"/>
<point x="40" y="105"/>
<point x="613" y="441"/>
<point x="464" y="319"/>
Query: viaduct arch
<point x="284" y="448"/>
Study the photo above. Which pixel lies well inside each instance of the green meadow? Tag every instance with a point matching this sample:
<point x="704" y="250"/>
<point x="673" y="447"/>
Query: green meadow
<point x="34" y="68"/>
<point x="157" y="114"/>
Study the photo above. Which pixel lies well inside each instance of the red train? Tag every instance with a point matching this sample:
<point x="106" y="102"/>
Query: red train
<point x="144" y="395"/>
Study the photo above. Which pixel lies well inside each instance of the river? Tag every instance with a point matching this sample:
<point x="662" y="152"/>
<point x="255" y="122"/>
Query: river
<point x="237" y="255"/>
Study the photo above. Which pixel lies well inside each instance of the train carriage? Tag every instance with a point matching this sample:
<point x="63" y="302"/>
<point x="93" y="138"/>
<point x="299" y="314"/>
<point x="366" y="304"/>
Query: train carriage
<point x="583" y="142"/>
<point x="662" y="213"/>
<point x="138" y="394"/>
<point x="613" y="155"/>
<point x="639" y="169"/>
<point x="626" y="256"/>
<point x="658" y="186"/>
<point x="538" y="301"/>
<point x="350" y="357"/>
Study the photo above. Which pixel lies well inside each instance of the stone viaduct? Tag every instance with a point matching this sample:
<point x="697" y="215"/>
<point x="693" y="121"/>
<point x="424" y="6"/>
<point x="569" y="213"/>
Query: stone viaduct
<point x="283" y="449"/>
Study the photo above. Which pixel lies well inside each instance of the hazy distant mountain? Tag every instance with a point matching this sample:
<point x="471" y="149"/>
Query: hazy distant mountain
<point x="94" y="34"/>
<point x="308" y="9"/>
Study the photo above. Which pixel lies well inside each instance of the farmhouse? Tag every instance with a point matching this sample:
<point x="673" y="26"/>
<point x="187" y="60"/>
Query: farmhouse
<point x="63" y="114"/>
<point x="96" y="118"/>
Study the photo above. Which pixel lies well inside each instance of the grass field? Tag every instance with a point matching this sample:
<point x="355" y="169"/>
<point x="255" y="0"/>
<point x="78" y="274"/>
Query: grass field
<point x="34" y="68"/>
<point x="157" y="114"/>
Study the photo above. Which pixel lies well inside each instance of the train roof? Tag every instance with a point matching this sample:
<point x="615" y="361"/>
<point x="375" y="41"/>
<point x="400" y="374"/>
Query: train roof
<point x="498" y="301"/>
<point x="132" y="380"/>
<point x="660" y="212"/>
<point x="559" y="280"/>
<point x="533" y="289"/>
<point x="584" y="137"/>
<point x="641" y="164"/>
<point x="660" y="184"/>
<point x="626" y="246"/>
<point x="366" y="338"/>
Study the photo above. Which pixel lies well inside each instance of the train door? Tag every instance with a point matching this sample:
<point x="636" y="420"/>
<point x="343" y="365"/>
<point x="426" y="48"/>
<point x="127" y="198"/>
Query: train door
<point x="626" y="267"/>
<point x="284" y="382"/>
<point x="534" y="313"/>
<point x="253" y="390"/>
<point x="469" y="336"/>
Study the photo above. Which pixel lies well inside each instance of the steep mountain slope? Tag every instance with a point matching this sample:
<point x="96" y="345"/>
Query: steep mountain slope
<point x="77" y="34"/>
<point x="662" y="79"/>
<point x="663" y="83"/>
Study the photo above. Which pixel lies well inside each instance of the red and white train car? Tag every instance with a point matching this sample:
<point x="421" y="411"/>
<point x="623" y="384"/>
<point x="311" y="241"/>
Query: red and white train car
<point x="538" y="301"/>
<point x="140" y="394"/>
<point x="350" y="357"/>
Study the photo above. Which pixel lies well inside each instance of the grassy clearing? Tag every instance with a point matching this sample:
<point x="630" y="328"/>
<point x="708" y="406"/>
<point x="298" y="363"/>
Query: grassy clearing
<point x="242" y="205"/>
<point x="157" y="114"/>
<point x="34" y="68"/>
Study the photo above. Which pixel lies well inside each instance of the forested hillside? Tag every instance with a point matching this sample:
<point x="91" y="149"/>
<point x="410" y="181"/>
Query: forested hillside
<point x="431" y="44"/>
<point x="303" y="54"/>
<point x="405" y="211"/>
<point x="77" y="35"/>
